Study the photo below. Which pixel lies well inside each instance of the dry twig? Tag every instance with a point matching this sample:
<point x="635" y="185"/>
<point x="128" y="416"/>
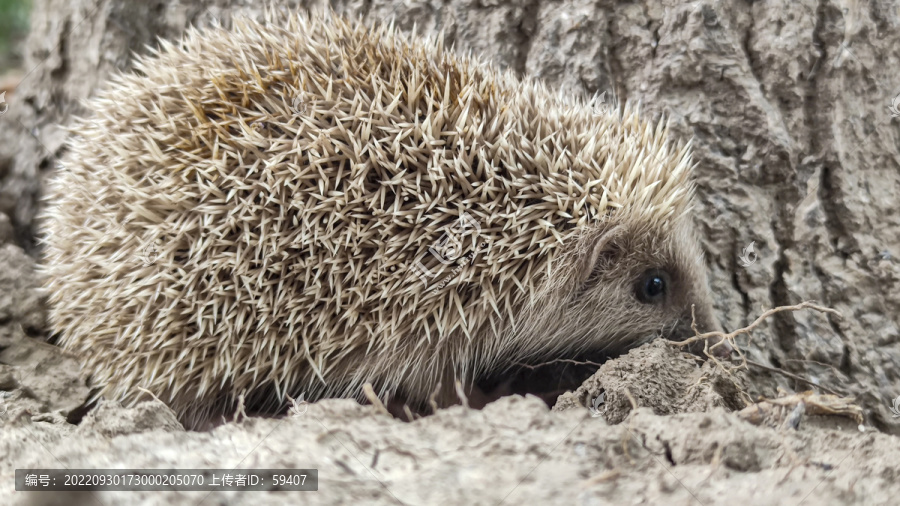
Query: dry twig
<point x="151" y="394"/>
<point x="431" y="401"/>
<point x="729" y="337"/>
<point x="462" y="394"/>
<point x="240" y="413"/>
<point x="793" y="376"/>
<point x="370" y="394"/>
<point x="628" y="431"/>
<point x="557" y="361"/>
<point x="409" y="414"/>
<point x="773" y="410"/>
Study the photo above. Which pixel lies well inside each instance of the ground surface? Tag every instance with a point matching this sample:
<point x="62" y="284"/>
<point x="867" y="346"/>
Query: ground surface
<point x="798" y="152"/>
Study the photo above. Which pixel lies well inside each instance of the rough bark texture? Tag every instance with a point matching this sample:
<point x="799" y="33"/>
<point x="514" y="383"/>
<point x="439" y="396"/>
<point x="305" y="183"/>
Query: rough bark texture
<point x="797" y="151"/>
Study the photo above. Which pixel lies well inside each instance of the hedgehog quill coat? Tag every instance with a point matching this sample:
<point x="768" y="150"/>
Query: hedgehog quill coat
<point x="304" y="206"/>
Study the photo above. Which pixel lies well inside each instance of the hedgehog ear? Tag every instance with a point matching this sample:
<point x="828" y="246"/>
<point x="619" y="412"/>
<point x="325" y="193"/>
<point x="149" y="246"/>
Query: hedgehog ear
<point x="599" y="245"/>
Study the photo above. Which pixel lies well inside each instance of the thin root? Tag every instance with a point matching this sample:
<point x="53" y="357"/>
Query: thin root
<point x="729" y="337"/>
<point x="462" y="394"/>
<point x="240" y="413"/>
<point x="432" y="402"/>
<point x="148" y="392"/>
<point x="370" y="394"/>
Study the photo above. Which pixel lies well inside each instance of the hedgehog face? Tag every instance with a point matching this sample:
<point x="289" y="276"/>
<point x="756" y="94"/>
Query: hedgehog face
<point x="635" y="284"/>
<point x="624" y="285"/>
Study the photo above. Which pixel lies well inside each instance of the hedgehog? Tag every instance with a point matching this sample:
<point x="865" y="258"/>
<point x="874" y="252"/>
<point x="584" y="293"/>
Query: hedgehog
<point x="307" y="204"/>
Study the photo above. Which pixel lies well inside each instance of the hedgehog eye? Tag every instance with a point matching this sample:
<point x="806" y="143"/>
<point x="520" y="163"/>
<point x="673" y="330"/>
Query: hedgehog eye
<point x="652" y="286"/>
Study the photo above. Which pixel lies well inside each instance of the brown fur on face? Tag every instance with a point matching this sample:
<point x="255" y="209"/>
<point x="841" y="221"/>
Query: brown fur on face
<point x="611" y="290"/>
